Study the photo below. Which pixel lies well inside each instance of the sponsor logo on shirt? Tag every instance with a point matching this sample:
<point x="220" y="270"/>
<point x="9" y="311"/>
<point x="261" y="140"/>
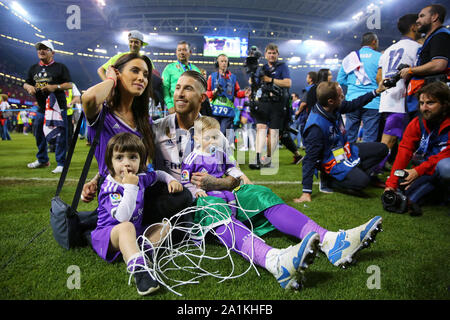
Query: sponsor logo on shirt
<point x="169" y="143"/>
<point x="184" y="176"/>
<point x="115" y="198"/>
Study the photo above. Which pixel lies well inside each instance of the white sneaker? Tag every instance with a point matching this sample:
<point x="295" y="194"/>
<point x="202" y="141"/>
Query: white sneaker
<point x="58" y="169"/>
<point x="37" y="164"/>
<point x="341" y="246"/>
<point x="288" y="265"/>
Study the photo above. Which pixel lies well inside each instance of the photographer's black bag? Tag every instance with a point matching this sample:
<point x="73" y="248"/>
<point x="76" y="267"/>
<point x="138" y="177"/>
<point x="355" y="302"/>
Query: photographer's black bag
<point x="71" y="228"/>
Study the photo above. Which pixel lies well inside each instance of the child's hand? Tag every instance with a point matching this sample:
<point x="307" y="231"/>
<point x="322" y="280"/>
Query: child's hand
<point x="200" y="194"/>
<point x="130" y="178"/>
<point x="174" y="186"/>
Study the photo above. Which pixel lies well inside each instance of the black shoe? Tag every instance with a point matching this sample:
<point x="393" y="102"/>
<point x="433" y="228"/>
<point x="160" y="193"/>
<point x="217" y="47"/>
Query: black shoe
<point x="377" y="183"/>
<point x="145" y="282"/>
<point x="414" y="209"/>
<point x="297" y="159"/>
<point x="254" y="166"/>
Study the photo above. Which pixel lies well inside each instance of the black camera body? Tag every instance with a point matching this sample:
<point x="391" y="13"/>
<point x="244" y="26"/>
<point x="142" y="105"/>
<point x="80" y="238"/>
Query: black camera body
<point x="219" y="90"/>
<point x="396" y="201"/>
<point x="392" y="82"/>
<point x="252" y="60"/>
<point x="270" y="91"/>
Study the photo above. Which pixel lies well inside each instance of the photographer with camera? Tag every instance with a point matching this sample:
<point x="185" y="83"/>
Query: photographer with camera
<point x="426" y="145"/>
<point x="393" y="104"/>
<point x="272" y="109"/>
<point x="223" y="87"/>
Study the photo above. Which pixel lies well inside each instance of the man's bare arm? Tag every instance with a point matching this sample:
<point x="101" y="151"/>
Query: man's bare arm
<point x="208" y="183"/>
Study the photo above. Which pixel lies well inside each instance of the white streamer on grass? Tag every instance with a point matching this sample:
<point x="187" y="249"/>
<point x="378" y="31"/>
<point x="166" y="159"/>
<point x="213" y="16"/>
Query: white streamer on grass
<point x="162" y="259"/>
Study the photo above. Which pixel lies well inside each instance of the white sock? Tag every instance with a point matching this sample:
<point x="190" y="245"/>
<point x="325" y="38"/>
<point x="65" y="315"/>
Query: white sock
<point x="272" y="260"/>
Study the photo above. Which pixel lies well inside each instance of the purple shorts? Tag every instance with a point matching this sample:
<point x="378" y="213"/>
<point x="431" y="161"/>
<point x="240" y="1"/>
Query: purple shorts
<point x="101" y="242"/>
<point x="247" y="115"/>
<point x="395" y="124"/>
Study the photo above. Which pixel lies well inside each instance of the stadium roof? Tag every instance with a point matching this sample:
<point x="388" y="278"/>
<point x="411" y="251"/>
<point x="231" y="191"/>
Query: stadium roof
<point x="262" y="20"/>
<point x="102" y="25"/>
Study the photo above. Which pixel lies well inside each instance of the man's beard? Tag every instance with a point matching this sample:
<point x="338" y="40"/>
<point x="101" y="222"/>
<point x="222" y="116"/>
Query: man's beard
<point x="424" y="28"/>
<point x="433" y="119"/>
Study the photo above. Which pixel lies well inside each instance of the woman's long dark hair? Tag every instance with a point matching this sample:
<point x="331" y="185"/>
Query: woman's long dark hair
<point x="322" y="75"/>
<point x="140" y="104"/>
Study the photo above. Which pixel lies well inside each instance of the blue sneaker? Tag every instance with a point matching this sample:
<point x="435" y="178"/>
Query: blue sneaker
<point x="289" y="265"/>
<point x="341" y="246"/>
<point x="144" y="277"/>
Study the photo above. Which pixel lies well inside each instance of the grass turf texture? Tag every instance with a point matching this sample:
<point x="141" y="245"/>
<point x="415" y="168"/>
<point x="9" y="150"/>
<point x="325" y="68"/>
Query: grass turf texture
<point x="411" y="254"/>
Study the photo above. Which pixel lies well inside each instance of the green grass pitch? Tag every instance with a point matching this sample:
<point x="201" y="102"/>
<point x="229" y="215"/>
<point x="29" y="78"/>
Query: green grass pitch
<point x="410" y="259"/>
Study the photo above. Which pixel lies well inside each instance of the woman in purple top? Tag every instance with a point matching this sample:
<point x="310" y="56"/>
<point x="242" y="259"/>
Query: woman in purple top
<point x="123" y="98"/>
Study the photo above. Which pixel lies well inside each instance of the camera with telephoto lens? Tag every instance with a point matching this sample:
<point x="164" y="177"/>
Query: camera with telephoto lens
<point x="252" y="60"/>
<point x="395" y="201"/>
<point x="392" y="82"/>
<point x="251" y="67"/>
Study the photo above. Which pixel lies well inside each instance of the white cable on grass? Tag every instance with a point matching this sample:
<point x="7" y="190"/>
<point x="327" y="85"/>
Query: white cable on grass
<point x="192" y="250"/>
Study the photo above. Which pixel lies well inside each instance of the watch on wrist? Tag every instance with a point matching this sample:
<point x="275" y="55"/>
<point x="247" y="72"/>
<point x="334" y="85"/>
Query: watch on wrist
<point x="58" y="86"/>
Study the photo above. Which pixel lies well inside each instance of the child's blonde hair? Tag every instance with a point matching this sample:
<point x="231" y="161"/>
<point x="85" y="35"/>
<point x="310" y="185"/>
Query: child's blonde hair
<point x="205" y="123"/>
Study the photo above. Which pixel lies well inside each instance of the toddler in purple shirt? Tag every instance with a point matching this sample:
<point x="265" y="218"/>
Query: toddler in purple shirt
<point x="121" y="202"/>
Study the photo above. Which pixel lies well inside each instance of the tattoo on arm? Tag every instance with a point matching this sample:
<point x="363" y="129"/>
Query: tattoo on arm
<point x="227" y="183"/>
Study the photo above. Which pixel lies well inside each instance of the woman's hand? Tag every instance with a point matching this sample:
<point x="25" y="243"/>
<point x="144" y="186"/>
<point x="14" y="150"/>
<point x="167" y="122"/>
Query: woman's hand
<point x="112" y="73"/>
<point x="174" y="186"/>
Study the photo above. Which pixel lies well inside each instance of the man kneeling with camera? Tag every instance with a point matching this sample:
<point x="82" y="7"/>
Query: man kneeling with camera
<point x="426" y="145"/>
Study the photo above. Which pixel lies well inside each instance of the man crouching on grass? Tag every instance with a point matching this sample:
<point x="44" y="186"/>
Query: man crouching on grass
<point x="426" y="145"/>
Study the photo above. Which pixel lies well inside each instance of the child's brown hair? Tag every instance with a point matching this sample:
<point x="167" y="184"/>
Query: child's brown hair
<point x="126" y="142"/>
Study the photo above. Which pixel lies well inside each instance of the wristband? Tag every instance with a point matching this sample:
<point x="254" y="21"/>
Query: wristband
<point x="115" y="83"/>
<point x="410" y="71"/>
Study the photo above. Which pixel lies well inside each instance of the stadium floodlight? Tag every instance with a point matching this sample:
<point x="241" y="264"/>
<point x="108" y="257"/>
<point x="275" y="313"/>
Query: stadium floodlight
<point x="101" y="51"/>
<point x="331" y="61"/>
<point x="357" y="16"/>
<point x="315" y="44"/>
<point x="18" y="8"/>
<point x="294" y="59"/>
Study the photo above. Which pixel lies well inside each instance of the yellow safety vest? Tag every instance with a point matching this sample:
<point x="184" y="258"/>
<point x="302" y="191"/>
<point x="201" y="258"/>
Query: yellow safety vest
<point x="69" y="98"/>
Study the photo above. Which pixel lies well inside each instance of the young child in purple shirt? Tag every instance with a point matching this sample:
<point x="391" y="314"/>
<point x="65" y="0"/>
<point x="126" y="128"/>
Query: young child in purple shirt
<point x="208" y="155"/>
<point x="121" y="202"/>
